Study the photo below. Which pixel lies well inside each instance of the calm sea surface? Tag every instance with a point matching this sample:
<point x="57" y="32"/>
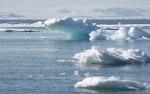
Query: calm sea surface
<point x="30" y="62"/>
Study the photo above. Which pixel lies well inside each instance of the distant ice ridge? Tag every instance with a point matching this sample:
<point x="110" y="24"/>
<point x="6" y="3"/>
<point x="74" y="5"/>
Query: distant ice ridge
<point x="97" y="55"/>
<point x="22" y="27"/>
<point x="36" y="24"/>
<point x="110" y="83"/>
<point x="83" y="29"/>
<point x="76" y="29"/>
<point x="124" y="33"/>
<point x="19" y="30"/>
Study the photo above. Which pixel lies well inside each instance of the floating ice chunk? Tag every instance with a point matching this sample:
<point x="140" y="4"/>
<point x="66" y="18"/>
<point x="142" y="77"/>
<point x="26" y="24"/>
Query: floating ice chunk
<point x="134" y="32"/>
<point x="65" y="61"/>
<point x="110" y="83"/>
<point x="111" y="56"/>
<point x="35" y="76"/>
<point x="29" y="76"/>
<point x="74" y="28"/>
<point x="43" y="36"/>
<point x="62" y="74"/>
<point x="123" y="33"/>
<point x="86" y="74"/>
<point x="76" y="73"/>
<point x="41" y="76"/>
<point x="28" y="37"/>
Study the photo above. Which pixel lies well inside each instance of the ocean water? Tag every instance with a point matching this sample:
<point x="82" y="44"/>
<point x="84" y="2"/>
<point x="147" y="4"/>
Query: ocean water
<point x="35" y="60"/>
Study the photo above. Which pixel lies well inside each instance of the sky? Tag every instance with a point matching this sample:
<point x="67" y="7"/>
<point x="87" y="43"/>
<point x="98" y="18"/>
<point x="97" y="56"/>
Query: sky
<point x="46" y="8"/>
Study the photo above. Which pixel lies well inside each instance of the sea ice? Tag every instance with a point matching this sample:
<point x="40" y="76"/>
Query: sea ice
<point x="124" y="33"/>
<point x="111" y="56"/>
<point x="83" y="29"/>
<point x="76" y="73"/>
<point x="62" y="74"/>
<point x="110" y="83"/>
<point x="77" y="29"/>
<point x="134" y="32"/>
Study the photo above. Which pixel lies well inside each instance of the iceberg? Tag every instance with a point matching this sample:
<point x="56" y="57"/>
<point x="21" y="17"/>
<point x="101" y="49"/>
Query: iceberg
<point x="110" y="83"/>
<point x="97" y="55"/>
<point x="124" y="33"/>
<point x="76" y="29"/>
<point x="83" y="29"/>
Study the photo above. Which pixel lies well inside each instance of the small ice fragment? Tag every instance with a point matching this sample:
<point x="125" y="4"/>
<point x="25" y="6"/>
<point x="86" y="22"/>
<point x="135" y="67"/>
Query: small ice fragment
<point x="28" y="38"/>
<point x="29" y="76"/>
<point x="62" y="74"/>
<point x="86" y="74"/>
<point x="43" y="36"/>
<point x="76" y="73"/>
<point x="41" y="76"/>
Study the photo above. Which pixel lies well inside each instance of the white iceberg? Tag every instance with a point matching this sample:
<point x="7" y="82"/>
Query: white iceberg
<point x="83" y="29"/>
<point x="110" y="83"/>
<point x="111" y="56"/>
<point x="124" y="33"/>
<point x="77" y="29"/>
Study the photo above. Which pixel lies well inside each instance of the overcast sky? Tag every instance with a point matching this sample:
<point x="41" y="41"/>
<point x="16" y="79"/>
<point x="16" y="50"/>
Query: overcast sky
<point x="63" y="3"/>
<point x="51" y="6"/>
